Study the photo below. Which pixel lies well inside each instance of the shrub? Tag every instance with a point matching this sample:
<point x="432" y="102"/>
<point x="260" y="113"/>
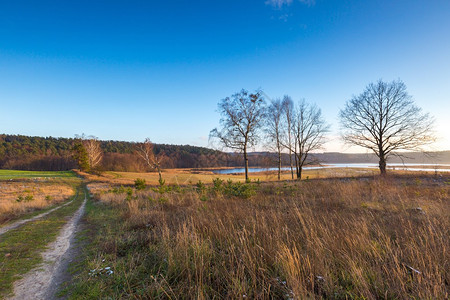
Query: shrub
<point x="129" y="194"/>
<point x="200" y="187"/>
<point x="139" y="184"/>
<point x="119" y="190"/>
<point x="238" y="189"/>
<point x="217" y="185"/>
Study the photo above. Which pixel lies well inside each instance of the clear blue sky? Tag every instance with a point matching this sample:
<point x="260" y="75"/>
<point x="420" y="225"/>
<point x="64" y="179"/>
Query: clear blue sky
<point x="126" y="70"/>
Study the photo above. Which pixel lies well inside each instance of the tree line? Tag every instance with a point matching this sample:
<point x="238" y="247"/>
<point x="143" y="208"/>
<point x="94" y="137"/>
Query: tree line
<point x="57" y="154"/>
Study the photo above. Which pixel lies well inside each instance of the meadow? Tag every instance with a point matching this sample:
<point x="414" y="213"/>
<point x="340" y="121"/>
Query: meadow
<point x="187" y="177"/>
<point x="26" y="192"/>
<point x="17" y="174"/>
<point x="340" y="238"/>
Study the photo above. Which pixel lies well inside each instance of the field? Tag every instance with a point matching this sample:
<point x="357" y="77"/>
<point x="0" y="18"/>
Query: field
<point x="16" y="174"/>
<point x="185" y="177"/>
<point x="24" y="192"/>
<point x="340" y="238"/>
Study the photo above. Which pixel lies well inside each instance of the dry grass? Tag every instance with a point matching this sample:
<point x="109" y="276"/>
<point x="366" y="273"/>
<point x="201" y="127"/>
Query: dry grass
<point x="339" y="239"/>
<point x="18" y="197"/>
<point x="184" y="177"/>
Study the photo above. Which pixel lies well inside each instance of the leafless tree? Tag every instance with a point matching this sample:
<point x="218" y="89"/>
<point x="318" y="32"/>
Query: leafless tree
<point x="145" y="151"/>
<point x="308" y="132"/>
<point x="274" y="130"/>
<point x="384" y="119"/>
<point x="93" y="149"/>
<point x="242" y="118"/>
<point x="288" y="108"/>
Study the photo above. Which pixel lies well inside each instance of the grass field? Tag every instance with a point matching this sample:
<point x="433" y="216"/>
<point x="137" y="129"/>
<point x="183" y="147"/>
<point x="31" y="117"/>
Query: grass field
<point x="342" y="238"/>
<point x="185" y="177"/>
<point x="24" y="193"/>
<point x="17" y="174"/>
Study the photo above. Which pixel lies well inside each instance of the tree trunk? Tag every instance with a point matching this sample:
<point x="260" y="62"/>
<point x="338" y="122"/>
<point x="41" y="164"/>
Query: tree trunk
<point x="299" y="173"/>
<point x="290" y="151"/>
<point x="160" y="175"/>
<point x="382" y="165"/>
<point x="279" y="164"/>
<point x="246" y="163"/>
<point x="290" y="162"/>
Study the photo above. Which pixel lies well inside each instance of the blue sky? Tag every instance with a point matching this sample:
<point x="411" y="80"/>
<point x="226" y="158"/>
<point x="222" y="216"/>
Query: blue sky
<point x="126" y="70"/>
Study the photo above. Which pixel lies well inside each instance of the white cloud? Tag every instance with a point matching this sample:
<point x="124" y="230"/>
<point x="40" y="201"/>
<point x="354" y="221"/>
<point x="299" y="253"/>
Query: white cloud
<point x="278" y="3"/>
<point x="281" y="3"/>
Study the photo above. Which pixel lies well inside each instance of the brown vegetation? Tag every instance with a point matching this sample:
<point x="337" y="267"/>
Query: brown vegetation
<point x="334" y="238"/>
<point x="18" y="197"/>
<point x="185" y="177"/>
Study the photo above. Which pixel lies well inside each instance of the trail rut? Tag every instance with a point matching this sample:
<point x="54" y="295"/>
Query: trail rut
<point x="43" y="281"/>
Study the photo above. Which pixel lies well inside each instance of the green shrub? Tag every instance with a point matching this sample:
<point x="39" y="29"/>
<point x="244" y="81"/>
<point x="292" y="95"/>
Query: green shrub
<point x="238" y="189"/>
<point x="217" y="185"/>
<point x="200" y="187"/>
<point x="28" y="197"/>
<point x="119" y="190"/>
<point x="129" y="194"/>
<point x="139" y="184"/>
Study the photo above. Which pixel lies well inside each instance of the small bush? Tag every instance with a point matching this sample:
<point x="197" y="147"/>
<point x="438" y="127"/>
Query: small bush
<point x="238" y="189"/>
<point x="200" y="187"/>
<point x="28" y="197"/>
<point x="119" y="190"/>
<point x="129" y="194"/>
<point x="217" y="185"/>
<point x="140" y="184"/>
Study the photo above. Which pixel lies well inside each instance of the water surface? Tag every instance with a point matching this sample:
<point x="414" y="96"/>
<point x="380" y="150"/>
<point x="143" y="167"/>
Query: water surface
<point x="393" y="166"/>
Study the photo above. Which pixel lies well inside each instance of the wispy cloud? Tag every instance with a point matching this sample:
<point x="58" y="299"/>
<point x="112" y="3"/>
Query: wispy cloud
<point x="281" y="3"/>
<point x="278" y="3"/>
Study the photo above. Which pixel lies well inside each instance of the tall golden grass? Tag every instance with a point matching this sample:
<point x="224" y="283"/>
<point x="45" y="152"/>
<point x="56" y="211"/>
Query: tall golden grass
<point x="22" y="196"/>
<point x="340" y="239"/>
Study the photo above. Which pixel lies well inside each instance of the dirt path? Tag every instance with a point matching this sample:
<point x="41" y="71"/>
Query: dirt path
<point x="43" y="281"/>
<point x="21" y="222"/>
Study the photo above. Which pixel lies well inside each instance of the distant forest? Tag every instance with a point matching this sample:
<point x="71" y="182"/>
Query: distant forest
<point x="54" y="154"/>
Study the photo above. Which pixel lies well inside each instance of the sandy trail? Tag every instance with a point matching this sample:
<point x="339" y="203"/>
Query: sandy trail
<point x="21" y="222"/>
<point x="43" y="281"/>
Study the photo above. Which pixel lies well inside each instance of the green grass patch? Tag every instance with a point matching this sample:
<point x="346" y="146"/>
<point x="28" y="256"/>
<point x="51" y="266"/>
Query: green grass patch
<point x="20" y="248"/>
<point x="103" y="225"/>
<point x="15" y="174"/>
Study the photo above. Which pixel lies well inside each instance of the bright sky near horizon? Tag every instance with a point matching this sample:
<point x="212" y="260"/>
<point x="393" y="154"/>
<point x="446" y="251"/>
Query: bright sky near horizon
<point x="127" y="70"/>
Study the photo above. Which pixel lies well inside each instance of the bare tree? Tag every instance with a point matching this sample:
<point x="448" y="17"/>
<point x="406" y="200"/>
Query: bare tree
<point x="93" y="149"/>
<point x="242" y="117"/>
<point x="288" y="108"/>
<point x="274" y="130"/>
<point x="308" y="131"/>
<point x="146" y="152"/>
<point x="384" y="119"/>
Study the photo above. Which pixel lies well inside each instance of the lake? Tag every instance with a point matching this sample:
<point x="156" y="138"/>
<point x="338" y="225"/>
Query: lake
<point x="396" y="166"/>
